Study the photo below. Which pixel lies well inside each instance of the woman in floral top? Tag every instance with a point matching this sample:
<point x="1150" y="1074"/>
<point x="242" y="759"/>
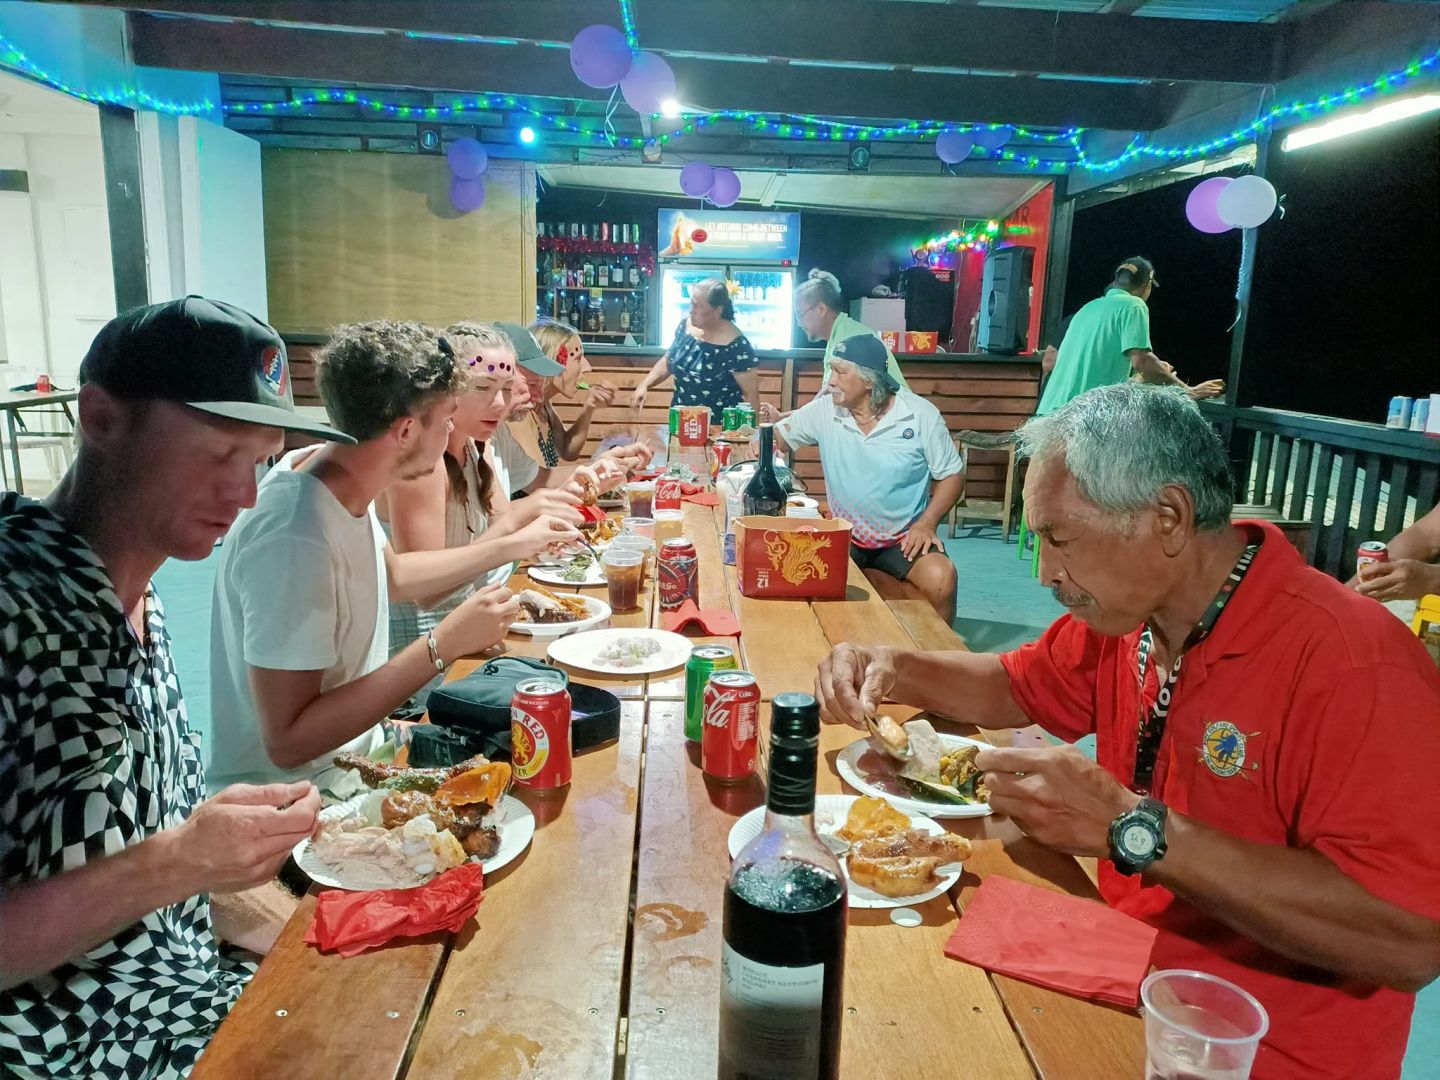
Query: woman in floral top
<point x="713" y="363"/>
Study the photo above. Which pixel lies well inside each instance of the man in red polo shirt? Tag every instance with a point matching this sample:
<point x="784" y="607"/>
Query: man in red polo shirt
<point x="1268" y="742"/>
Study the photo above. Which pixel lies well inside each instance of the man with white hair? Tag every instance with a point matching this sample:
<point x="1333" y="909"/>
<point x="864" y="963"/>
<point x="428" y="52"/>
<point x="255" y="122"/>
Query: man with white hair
<point x="891" y="469"/>
<point x="1264" y="793"/>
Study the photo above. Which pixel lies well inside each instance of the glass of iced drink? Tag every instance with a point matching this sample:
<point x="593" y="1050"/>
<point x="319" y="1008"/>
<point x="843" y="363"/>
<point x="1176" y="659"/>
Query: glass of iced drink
<point x="642" y="544"/>
<point x="624" y="567"/>
<point x="640" y="526"/>
<point x="669" y="524"/>
<point x="640" y="496"/>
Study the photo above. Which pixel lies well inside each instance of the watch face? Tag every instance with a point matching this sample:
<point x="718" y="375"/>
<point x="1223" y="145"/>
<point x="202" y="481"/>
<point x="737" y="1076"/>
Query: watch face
<point x="1137" y="841"/>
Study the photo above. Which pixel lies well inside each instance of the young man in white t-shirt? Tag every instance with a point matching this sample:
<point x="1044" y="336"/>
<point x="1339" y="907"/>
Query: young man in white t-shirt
<point x="891" y="468"/>
<point x="300" y="631"/>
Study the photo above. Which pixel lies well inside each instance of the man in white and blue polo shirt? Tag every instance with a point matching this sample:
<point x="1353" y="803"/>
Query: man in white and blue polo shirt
<point x="891" y="469"/>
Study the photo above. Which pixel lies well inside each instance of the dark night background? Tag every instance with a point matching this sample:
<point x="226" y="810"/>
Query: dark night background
<point x="1343" y="309"/>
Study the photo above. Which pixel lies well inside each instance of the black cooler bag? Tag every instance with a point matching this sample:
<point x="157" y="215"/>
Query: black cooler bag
<point x="472" y="715"/>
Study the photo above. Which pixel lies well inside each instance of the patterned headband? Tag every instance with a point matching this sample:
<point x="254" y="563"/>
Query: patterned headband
<point x="492" y="367"/>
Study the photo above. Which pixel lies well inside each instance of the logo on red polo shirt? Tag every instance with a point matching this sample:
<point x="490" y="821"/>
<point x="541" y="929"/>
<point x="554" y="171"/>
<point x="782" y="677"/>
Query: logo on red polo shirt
<point x="1222" y="748"/>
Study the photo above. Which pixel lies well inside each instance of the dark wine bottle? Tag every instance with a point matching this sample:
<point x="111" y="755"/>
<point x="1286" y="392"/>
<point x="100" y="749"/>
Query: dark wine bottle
<point x="783" y="962"/>
<point x="764" y="494"/>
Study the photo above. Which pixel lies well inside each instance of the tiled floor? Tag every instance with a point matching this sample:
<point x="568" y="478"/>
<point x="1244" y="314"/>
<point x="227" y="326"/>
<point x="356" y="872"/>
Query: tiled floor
<point x="1000" y="606"/>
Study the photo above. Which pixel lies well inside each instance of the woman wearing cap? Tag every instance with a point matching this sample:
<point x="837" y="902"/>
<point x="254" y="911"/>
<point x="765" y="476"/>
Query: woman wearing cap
<point x="542" y="432"/>
<point x="712" y="361"/>
<point x="1108" y="340"/>
<point x="891" y="469"/>
<point x="466" y="501"/>
<point x="820" y="311"/>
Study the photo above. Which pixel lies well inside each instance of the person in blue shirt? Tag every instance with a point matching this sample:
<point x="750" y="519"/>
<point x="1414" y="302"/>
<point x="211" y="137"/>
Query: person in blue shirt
<point x="891" y="468"/>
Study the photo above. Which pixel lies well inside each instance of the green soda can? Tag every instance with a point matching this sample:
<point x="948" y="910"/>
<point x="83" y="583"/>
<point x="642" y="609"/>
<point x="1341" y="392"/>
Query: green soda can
<point x="674" y="420"/>
<point x="746" y="417"/>
<point x="730" y="418"/>
<point x="704" y="660"/>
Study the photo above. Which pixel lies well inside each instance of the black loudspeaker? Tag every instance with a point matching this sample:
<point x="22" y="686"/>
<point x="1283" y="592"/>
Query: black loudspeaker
<point x="1005" y="301"/>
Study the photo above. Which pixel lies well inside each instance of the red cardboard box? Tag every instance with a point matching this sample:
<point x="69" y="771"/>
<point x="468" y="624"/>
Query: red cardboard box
<point x="911" y="341"/>
<point x="792" y="557"/>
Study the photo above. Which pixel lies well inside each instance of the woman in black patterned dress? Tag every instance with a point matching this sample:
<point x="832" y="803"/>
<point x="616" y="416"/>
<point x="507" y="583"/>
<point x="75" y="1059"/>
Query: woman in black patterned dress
<point x="713" y="363"/>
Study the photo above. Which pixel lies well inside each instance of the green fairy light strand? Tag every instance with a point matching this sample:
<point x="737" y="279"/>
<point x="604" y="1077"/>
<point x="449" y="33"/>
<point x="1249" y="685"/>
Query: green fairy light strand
<point x="14" y="58"/>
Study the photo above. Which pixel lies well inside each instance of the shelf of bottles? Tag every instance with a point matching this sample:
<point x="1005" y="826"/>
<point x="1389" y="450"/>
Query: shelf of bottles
<point x="596" y="277"/>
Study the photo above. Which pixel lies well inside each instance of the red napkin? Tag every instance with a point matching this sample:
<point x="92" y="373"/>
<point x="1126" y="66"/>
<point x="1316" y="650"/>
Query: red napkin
<point x="714" y="621"/>
<point x="1076" y="946"/>
<point x="351" y="923"/>
<point x="698" y="497"/>
<point x="593" y="513"/>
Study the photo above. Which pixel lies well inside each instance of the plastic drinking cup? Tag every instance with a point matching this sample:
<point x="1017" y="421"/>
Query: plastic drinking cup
<point x="1199" y="1027"/>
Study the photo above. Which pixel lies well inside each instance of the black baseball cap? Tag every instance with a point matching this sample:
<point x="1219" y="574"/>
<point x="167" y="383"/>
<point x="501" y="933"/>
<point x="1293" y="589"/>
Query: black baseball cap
<point x="207" y="354"/>
<point x="867" y="351"/>
<point x="528" y="353"/>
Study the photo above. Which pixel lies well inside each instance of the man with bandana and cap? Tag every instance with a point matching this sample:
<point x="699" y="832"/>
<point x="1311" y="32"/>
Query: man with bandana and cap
<point x="891" y="468"/>
<point x="110" y="852"/>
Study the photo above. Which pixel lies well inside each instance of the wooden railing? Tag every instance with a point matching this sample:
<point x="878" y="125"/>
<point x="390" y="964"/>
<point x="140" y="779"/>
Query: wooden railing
<point x="1351" y="481"/>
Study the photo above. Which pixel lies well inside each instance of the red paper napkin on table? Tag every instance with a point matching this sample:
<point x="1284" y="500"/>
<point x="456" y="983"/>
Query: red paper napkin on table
<point x="698" y="496"/>
<point x="714" y="621"/>
<point x="1076" y="946"/>
<point x="352" y="922"/>
<point x="593" y="513"/>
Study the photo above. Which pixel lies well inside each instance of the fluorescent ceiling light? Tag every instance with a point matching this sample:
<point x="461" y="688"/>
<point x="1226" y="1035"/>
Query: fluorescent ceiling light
<point x="1388" y="113"/>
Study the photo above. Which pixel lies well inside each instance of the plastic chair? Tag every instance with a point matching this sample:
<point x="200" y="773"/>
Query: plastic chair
<point x="1024" y="535"/>
<point x="1427" y="612"/>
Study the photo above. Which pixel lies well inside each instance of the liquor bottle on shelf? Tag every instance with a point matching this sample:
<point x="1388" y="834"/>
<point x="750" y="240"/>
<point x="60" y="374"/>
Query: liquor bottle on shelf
<point x="634" y="274"/>
<point x="625" y="315"/>
<point x="783" y="952"/>
<point x="617" y="273"/>
<point x="764" y="494"/>
<point x="587" y="273"/>
<point x="575" y="312"/>
<point x="602" y="274"/>
<point x="592" y="318"/>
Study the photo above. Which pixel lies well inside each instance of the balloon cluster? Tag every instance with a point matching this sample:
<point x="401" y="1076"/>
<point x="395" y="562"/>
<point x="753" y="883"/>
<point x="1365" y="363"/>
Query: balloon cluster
<point x="468" y="161"/>
<point x="953" y="147"/>
<point x="720" y="185"/>
<point x="1220" y="203"/>
<point x="601" y="57"/>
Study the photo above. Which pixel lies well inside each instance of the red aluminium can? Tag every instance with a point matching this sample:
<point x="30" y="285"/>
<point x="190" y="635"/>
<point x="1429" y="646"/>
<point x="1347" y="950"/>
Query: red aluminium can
<point x="540" y="734"/>
<point x="731" y="731"/>
<point x="668" y="490"/>
<point x="679" y="573"/>
<point x="721" y="459"/>
<point x="1371" y="551"/>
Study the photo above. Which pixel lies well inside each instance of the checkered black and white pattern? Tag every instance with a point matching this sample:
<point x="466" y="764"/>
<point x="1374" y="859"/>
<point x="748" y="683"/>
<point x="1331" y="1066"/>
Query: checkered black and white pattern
<point x="96" y="755"/>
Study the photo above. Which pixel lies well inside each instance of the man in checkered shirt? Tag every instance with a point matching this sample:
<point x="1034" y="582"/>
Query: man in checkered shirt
<point x="109" y="851"/>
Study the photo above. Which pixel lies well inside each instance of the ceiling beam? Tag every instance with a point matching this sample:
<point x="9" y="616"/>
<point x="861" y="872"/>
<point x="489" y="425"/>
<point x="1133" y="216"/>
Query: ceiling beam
<point x="381" y="59"/>
<point x="901" y="32"/>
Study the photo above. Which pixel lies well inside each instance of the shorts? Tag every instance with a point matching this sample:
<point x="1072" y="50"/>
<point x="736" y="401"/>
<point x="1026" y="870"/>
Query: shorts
<point x="889" y="559"/>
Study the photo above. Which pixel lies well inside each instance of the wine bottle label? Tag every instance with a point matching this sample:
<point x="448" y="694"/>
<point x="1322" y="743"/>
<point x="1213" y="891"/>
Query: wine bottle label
<point x="775" y="1014"/>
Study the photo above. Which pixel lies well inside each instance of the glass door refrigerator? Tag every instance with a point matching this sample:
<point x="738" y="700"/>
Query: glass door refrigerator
<point x="755" y="251"/>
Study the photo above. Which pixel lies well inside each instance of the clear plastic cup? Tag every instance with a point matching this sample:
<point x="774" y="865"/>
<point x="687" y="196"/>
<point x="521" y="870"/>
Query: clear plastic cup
<point x="1199" y="1027"/>
<point x="642" y="544"/>
<point x="639" y="526"/>
<point x="669" y="524"/>
<point x="624" y="569"/>
<point x="640" y="497"/>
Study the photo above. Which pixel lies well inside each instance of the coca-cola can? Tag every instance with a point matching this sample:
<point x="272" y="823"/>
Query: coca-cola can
<point x="731" y="734"/>
<point x="679" y="573"/>
<point x="721" y="460"/>
<point x="668" y="490"/>
<point x="540" y="753"/>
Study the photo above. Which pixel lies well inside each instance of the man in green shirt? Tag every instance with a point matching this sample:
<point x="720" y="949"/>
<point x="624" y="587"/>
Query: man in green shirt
<point x="1109" y="340"/>
<point x="819" y="309"/>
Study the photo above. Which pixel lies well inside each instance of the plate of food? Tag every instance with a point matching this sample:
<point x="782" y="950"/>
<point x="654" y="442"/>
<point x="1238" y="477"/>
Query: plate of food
<point x="622" y="652"/>
<point x="544" y="614"/>
<point x="578" y="569"/>
<point x="600" y="533"/>
<point x="892" y="858"/>
<point x="413" y="824"/>
<point x="940" y="778"/>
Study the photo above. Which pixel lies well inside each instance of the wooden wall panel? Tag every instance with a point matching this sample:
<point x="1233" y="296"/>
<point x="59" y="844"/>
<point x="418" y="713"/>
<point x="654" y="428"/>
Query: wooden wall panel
<point x="351" y="237"/>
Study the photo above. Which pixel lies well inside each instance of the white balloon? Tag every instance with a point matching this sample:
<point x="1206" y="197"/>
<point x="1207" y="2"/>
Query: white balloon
<point x="1246" y="202"/>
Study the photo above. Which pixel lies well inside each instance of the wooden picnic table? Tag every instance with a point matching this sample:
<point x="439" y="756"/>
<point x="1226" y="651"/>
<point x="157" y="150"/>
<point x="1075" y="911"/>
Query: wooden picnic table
<point x="596" y="953"/>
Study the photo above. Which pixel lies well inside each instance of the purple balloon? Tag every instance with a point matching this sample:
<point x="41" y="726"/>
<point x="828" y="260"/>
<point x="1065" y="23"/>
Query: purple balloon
<point x="993" y="138"/>
<point x="467" y="159"/>
<point x="726" y="189"/>
<point x="696" y="179"/>
<point x="1200" y="206"/>
<point x="467" y="195"/>
<point x="649" y="83"/>
<point x="953" y="146"/>
<point x="600" y="56"/>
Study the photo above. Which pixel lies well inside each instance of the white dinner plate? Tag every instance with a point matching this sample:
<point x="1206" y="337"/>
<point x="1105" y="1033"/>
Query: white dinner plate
<point x="868" y="770"/>
<point x="582" y="651"/>
<point x="830" y="814"/>
<point x="599" y="612"/>
<point x="553" y="573"/>
<point x="514" y="820"/>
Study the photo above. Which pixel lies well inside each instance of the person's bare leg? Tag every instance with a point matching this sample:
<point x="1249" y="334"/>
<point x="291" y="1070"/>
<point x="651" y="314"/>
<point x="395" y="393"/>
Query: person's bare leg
<point x="934" y="575"/>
